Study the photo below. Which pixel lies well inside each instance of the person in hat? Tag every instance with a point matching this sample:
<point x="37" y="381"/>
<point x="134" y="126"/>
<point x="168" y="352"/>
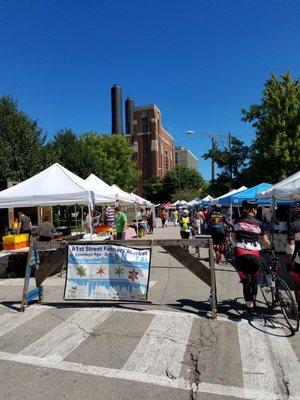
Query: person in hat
<point x="293" y="250"/>
<point x="247" y="231"/>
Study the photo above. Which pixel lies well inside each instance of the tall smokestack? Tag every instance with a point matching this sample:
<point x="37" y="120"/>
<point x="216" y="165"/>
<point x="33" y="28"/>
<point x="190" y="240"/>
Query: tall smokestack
<point x="116" y="110"/>
<point x="129" y="106"/>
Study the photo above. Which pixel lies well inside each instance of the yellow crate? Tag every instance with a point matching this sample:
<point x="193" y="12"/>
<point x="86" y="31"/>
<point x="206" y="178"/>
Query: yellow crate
<point x="15" y="239"/>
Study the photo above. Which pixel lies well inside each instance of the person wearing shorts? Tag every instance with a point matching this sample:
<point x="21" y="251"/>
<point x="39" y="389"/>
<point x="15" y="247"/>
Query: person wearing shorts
<point x="247" y="231"/>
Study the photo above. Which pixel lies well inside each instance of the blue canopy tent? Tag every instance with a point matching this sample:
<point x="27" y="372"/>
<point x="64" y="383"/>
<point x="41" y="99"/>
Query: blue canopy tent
<point x="225" y="200"/>
<point x="250" y="194"/>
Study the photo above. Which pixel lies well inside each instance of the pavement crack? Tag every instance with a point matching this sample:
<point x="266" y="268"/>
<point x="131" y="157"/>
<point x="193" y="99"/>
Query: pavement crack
<point x="195" y="377"/>
<point x="285" y="382"/>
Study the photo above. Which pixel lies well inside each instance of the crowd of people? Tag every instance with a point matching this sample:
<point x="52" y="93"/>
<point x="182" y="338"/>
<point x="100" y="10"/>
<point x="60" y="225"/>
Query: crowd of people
<point x="246" y="234"/>
<point x="116" y="219"/>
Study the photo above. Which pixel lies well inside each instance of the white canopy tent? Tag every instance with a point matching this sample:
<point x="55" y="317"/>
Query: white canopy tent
<point x="54" y="186"/>
<point x="141" y="201"/>
<point x="99" y="186"/>
<point x="287" y="189"/>
<point x="208" y="198"/>
<point x="126" y="195"/>
<point x="179" y="203"/>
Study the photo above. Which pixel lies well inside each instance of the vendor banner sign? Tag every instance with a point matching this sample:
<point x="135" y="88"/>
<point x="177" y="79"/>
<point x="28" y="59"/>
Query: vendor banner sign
<point x="107" y="272"/>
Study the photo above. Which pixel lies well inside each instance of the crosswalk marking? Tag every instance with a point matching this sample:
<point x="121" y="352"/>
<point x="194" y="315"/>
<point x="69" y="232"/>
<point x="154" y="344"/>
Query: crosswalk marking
<point x="285" y="360"/>
<point x="66" y="337"/>
<point x="256" y="363"/>
<point x="11" y="320"/>
<point x="203" y="387"/>
<point x="161" y="349"/>
<point x="269" y="362"/>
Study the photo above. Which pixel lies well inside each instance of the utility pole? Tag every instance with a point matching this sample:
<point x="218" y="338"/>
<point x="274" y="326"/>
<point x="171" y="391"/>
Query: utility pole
<point x="213" y="145"/>
<point x="230" y="166"/>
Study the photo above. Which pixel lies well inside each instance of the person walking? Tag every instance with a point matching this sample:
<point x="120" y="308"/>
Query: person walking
<point x="184" y="223"/>
<point x="163" y="215"/>
<point x="121" y="223"/>
<point x="175" y="217"/>
<point x="247" y="231"/>
<point x="149" y="219"/>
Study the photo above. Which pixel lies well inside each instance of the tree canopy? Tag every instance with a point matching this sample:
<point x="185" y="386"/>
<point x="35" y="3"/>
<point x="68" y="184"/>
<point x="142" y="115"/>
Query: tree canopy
<point x="275" y="153"/>
<point x="21" y="141"/>
<point x="231" y="161"/>
<point x="107" y="156"/>
<point x="180" y="182"/>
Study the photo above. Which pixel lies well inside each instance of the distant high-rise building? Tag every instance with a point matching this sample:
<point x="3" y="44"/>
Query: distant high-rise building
<point x="153" y="146"/>
<point x="186" y="158"/>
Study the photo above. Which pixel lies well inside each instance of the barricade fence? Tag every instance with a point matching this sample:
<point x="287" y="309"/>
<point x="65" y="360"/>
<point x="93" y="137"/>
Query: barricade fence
<point x="58" y="261"/>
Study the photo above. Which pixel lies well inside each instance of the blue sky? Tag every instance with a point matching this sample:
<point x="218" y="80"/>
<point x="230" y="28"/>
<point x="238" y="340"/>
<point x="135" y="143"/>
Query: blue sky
<point x="199" y="61"/>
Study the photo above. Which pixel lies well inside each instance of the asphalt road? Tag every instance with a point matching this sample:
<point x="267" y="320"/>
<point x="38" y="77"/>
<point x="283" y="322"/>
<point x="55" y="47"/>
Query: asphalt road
<point x="167" y="349"/>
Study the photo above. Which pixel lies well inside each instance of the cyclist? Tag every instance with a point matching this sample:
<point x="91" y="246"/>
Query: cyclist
<point x="293" y="250"/>
<point x="247" y="231"/>
<point x="217" y="223"/>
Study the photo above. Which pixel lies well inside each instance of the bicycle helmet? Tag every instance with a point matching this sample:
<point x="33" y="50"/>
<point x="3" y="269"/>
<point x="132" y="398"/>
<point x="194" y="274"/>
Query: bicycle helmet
<point x="249" y="204"/>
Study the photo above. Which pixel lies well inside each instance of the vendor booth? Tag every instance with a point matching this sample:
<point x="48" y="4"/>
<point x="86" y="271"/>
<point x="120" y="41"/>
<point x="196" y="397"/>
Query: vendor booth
<point x="280" y="196"/>
<point x="54" y="186"/>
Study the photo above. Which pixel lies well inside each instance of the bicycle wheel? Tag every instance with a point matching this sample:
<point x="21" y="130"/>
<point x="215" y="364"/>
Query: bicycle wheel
<point x="264" y="282"/>
<point x="288" y="305"/>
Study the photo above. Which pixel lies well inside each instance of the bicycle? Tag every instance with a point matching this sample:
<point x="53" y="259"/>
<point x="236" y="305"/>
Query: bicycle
<point x="275" y="291"/>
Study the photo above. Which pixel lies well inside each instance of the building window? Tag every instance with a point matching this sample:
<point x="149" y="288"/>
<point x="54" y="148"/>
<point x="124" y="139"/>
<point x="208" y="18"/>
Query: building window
<point x="166" y="161"/>
<point x="144" y="125"/>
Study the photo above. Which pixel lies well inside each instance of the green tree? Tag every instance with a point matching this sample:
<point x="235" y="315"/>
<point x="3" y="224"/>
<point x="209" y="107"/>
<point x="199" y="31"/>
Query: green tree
<point x="231" y="161"/>
<point x="275" y="153"/>
<point x="21" y="141"/>
<point x="179" y="179"/>
<point x="67" y="149"/>
<point x="153" y="190"/>
<point x="113" y="154"/>
<point x="107" y="156"/>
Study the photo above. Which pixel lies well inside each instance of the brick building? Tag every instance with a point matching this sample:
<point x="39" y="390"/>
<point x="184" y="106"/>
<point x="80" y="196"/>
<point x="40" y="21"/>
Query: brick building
<point x="153" y="146"/>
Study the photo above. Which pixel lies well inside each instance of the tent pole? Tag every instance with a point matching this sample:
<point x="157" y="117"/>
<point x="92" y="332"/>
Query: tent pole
<point x="90" y="222"/>
<point x="273" y="217"/>
<point x="137" y="219"/>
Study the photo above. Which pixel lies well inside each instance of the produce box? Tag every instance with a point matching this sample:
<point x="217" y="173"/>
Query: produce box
<point x="14" y="242"/>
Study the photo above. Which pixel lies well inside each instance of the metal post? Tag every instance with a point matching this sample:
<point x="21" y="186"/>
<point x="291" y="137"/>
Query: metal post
<point x="213" y="281"/>
<point x="90" y="222"/>
<point x="230" y="166"/>
<point x="213" y="144"/>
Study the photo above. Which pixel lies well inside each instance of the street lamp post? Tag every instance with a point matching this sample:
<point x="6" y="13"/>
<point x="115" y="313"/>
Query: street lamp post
<point x="213" y="136"/>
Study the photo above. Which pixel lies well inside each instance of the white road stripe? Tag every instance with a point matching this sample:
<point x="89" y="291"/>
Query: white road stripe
<point x="268" y="360"/>
<point x="233" y="392"/>
<point x="256" y="364"/>
<point x="161" y="349"/>
<point x="285" y="361"/>
<point x="66" y="337"/>
<point x="12" y="320"/>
